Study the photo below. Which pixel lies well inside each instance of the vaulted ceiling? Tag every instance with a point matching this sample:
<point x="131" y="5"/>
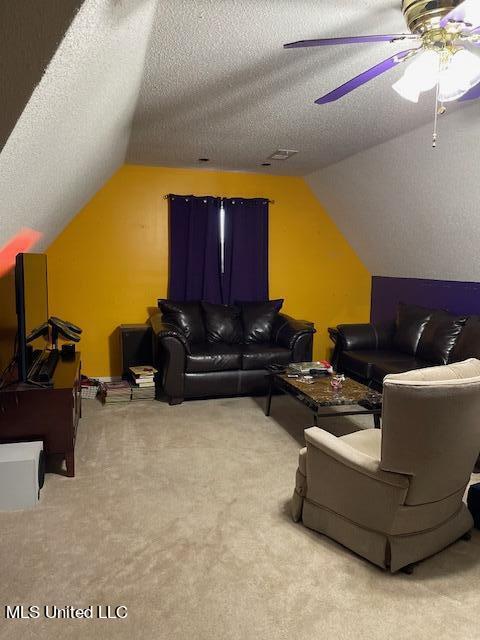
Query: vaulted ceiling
<point x="167" y="82"/>
<point x="74" y="130"/>
<point x="218" y="84"/>
<point x="31" y="33"/>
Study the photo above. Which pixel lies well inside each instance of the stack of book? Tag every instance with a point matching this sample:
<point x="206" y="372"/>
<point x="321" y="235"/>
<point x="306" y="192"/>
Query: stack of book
<point x="113" y="392"/>
<point x="88" y="388"/>
<point x="143" y="382"/>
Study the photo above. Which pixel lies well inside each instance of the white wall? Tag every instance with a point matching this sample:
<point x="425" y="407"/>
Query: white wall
<point x="74" y="131"/>
<point x="410" y="210"/>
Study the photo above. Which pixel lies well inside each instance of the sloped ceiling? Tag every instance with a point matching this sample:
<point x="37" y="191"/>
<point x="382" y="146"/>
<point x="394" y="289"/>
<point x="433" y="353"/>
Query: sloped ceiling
<point x="410" y="210"/>
<point x="31" y="33"/>
<point x="218" y="84"/>
<point x="74" y="131"/>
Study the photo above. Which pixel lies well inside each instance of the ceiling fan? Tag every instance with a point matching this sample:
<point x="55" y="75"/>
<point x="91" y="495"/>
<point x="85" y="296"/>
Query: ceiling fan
<point x="444" y="35"/>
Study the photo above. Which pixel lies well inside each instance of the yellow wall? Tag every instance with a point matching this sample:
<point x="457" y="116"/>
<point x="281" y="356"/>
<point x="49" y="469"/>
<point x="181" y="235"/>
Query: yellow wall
<point x="109" y="266"/>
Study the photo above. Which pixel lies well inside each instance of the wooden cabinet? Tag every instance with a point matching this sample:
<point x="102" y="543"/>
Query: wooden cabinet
<point x="29" y="412"/>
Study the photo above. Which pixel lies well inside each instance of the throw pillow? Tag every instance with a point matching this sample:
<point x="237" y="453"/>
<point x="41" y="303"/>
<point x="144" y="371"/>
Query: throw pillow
<point x="409" y="325"/>
<point x="258" y="319"/>
<point x="468" y="342"/>
<point x="439" y="337"/>
<point x="222" y="323"/>
<point x="185" y="315"/>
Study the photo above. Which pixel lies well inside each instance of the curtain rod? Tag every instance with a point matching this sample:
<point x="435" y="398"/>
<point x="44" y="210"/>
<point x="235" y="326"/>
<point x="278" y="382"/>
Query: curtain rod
<point x="166" y="197"/>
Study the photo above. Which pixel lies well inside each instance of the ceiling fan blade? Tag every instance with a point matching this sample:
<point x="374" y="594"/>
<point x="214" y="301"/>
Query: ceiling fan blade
<point x="322" y="42"/>
<point x="366" y="76"/>
<point x="472" y="94"/>
<point x="467" y="11"/>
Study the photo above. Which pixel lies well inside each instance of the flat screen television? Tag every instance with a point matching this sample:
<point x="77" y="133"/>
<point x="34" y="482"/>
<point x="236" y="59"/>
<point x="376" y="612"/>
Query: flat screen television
<point x="31" y="290"/>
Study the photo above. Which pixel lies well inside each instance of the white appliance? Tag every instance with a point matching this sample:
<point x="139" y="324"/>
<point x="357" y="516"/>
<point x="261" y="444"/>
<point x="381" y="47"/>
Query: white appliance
<point x="21" y="474"/>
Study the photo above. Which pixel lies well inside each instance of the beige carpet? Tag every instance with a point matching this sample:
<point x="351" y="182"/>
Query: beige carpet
<point x="181" y="514"/>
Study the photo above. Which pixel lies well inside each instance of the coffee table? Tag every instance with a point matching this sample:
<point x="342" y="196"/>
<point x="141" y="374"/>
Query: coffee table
<point x="319" y="397"/>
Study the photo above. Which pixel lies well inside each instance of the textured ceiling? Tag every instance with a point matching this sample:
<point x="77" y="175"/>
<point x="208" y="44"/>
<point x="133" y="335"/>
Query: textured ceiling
<point x="218" y="84"/>
<point x="407" y="209"/>
<point x="31" y="33"/>
<point x="73" y="133"/>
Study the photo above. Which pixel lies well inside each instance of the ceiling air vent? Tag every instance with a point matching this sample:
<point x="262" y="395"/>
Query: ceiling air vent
<point x="282" y="154"/>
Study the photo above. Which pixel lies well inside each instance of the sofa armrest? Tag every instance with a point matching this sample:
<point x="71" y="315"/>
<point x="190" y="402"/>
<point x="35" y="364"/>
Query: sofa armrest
<point x="350" y="457"/>
<point x="165" y="330"/>
<point x="364" y="336"/>
<point x="287" y="330"/>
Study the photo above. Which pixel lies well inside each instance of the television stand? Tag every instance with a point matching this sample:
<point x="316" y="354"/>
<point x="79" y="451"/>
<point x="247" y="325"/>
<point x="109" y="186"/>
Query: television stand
<point x="31" y="412"/>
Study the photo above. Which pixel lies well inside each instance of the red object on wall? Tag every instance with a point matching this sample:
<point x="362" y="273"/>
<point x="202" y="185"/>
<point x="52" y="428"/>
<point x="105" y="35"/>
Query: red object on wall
<point x="20" y="243"/>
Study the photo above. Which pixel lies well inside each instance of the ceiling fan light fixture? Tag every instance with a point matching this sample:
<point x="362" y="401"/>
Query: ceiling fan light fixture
<point x="444" y="39"/>
<point x="420" y="75"/>
<point x="406" y="89"/>
<point x="460" y="76"/>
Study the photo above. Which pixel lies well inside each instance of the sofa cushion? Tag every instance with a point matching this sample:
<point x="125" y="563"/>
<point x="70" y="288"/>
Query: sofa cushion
<point x="362" y="363"/>
<point x="258" y="319"/>
<point x="185" y="315"/>
<point x="222" y="323"/>
<point x="358" y="362"/>
<point x="468" y="342"/>
<point x="382" y="369"/>
<point x="259" y="356"/>
<point x="439" y="337"/>
<point x="410" y="323"/>
<point x="208" y="357"/>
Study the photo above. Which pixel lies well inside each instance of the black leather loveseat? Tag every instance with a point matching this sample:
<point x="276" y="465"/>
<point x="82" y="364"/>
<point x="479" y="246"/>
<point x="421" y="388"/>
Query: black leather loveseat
<point x="418" y="338"/>
<point x="203" y="350"/>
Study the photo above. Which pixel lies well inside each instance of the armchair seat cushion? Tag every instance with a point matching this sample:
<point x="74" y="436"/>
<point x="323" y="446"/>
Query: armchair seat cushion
<point x="259" y="356"/>
<point x="209" y="357"/>
<point x="367" y="441"/>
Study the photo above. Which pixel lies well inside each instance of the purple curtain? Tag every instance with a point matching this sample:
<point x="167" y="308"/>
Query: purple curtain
<point x="195" y="249"/>
<point x="194" y="257"/>
<point x="246" y="250"/>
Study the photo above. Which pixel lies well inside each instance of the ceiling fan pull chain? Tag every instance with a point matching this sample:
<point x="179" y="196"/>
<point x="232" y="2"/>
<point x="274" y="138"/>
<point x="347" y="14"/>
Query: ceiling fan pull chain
<point x="437" y="111"/>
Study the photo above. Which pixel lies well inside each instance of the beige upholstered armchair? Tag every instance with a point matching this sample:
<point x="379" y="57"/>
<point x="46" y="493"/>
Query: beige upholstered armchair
<point x="395" y="496"/>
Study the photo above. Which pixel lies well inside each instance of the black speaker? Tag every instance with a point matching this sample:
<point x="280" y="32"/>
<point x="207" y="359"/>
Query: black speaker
<point x="473" y="502"/>
<point x="136" y="346"/>
<point x="68" y="352"/>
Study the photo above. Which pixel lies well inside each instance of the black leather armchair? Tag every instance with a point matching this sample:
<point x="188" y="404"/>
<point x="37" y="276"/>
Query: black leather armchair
<point x="200" y="369"/>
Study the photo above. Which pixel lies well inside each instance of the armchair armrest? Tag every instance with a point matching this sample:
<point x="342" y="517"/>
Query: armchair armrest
<point x="350" y="457"/>
<point x="287" y="330"/>
<point x="350" y="483"/>
<point x="364" y="336"/>
<point x="165" y="330"/>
